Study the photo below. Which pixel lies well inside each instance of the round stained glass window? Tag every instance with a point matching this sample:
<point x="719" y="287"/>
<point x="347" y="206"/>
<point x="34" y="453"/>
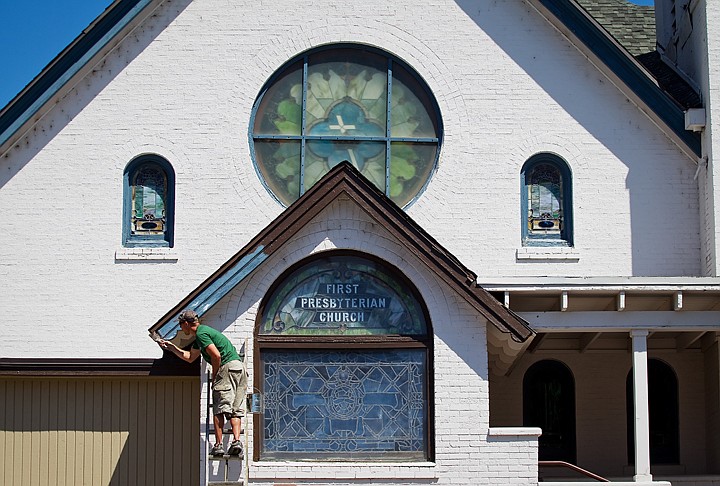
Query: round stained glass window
<point x="353" y="104"/>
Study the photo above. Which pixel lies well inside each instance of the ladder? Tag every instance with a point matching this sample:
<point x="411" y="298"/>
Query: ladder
<point x="227" y="462"/>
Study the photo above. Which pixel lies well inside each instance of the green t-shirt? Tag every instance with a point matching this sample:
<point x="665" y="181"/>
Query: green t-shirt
<point x="206" y="336"/>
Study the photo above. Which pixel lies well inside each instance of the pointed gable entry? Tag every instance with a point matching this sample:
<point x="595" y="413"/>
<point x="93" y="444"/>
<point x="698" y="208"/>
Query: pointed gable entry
<point x="344" y="181"/>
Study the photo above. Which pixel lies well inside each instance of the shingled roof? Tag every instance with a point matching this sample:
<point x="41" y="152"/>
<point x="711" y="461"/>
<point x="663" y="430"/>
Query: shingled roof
<point x="633" y="26"/>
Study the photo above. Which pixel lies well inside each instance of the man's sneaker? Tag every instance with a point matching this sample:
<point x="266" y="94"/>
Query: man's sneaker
<point x="217" y="450"/>
<point x="235" y="448"/>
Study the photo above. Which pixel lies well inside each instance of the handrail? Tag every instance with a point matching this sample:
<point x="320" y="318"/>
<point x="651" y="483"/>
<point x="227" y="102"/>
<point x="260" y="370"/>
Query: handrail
<point x="574" y="468"/>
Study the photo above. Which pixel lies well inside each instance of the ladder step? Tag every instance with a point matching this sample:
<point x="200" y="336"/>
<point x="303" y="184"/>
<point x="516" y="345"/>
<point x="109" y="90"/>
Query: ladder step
<point x="226" y="432"/>
<point x="226" y="457"/>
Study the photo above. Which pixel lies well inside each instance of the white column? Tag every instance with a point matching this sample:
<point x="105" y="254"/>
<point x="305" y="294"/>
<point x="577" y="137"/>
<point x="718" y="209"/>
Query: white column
<point x="642" y="414"/>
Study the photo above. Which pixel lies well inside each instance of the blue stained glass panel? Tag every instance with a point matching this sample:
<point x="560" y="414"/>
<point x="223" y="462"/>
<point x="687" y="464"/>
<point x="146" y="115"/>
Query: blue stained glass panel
<point x="345" y="404"/>
<point x="149" y="192"/>
<point x="545" y="202"/>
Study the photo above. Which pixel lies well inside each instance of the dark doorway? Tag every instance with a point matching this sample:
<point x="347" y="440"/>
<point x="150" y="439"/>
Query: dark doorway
<point x="663" y="404"/>
<point x="549" y="403"/>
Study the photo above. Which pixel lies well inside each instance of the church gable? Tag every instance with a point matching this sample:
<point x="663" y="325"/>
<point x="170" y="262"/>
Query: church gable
<point x="345" y="184"/>
<point x="120" y="19"/>
<point x="658" y="92"/>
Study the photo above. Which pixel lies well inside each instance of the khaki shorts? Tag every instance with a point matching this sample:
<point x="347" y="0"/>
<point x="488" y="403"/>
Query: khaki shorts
<point x="229" y="389"/>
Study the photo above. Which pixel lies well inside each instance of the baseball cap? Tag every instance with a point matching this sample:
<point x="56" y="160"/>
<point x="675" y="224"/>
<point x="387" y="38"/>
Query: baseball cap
<point x="187" y="316"/>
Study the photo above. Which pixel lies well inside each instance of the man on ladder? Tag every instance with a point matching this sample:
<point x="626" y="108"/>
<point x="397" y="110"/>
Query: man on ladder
<point x="229" y="377"/>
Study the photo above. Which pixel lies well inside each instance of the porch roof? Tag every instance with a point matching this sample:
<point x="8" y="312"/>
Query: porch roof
<point x="596" y="314"/>
<point x="582" y="294"/>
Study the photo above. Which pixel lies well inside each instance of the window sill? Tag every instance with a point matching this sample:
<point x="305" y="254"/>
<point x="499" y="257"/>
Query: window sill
<point x="541" y="253"/>
<point x="342" y="470"/>
<point x="146" y="254"/>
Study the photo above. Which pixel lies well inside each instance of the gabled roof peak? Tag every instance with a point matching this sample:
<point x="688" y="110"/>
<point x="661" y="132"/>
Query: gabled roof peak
<point x="652" y="95"/>
<point x="58" y="77"/>
<point x="346" y="183"/>
<point x="658" y="96"/>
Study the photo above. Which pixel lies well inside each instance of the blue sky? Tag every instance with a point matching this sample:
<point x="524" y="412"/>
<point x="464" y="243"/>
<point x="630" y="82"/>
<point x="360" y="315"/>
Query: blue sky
<point x="35" y="31"/>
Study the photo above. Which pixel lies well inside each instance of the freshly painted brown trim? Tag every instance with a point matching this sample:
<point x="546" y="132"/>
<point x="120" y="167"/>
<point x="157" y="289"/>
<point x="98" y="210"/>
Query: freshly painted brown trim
<point x="338" y="343"/>
<point x="168" y="365"/>
<point x="345" y="182"/>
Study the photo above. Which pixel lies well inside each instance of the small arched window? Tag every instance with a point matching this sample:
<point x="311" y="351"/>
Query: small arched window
<point x="346" y="102"/>
<point x="148" y="202"/>
<point x="664" y="409"/>
<point x="344" y="350"/>
<point x="549" y="403"/>
<point x="546" y="201"/>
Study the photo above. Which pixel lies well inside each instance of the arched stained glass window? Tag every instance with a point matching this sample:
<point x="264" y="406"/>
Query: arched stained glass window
<point x="331" y="105"/>
<point x="344" y="363"/>
<point x="546" y="200"/>
<point x="346" y="296"/>
<point x="149" y="187"/>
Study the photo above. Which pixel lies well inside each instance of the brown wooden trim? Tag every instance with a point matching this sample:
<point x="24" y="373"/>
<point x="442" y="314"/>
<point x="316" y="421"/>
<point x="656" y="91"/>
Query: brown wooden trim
<point x="341" y="341"/>
<point x="344" y="181"/>
<point x="168" y="365"/>
<point x="340" y="345"/>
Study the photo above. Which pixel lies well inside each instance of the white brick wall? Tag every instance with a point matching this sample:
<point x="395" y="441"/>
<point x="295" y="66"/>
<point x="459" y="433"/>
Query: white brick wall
<point x="183" y="84"/>
<point x="706" y="49"/>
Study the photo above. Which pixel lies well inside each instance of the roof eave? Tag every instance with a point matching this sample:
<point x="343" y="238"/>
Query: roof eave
<point x="623" y="70"/>
<point x="59" y="77"/>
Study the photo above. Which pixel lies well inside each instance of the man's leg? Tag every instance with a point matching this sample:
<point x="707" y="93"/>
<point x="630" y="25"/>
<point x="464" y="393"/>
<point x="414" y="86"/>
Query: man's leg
<point x="219" y="422"/>
<point x="238" y="378"/>
<point x="235" y="424"/>
<point x="236" y="447"/>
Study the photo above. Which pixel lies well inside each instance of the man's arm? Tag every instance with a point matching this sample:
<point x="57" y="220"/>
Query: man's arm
<point x="215" y="359"/>
<point x="188" y="356"/>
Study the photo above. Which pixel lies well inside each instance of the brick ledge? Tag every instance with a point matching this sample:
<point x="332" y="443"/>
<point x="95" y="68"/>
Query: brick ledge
<point x="146" y="254"/>
<point x="342" y="470"/>
<point x="547" y="253"/>
<point x="514" y="431"/>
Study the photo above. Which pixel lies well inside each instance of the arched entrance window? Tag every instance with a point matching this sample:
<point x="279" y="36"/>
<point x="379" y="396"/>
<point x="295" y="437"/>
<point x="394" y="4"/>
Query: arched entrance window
<point x="549" y="403"/>
<point x="663" y="404"/>
<point x="344" y="347"/>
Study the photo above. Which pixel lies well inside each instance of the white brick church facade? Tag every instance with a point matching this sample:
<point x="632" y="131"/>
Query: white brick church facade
<point x="625" y="294"/>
